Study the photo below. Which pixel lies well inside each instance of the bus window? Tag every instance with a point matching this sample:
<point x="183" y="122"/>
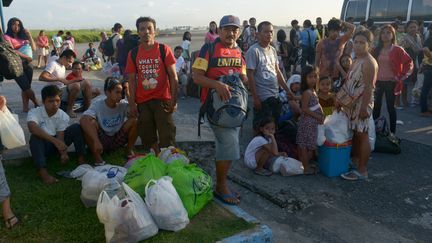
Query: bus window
<point x="388" y="10"/>
<point x="421" y="9"/>
<point x="356" y="9"/>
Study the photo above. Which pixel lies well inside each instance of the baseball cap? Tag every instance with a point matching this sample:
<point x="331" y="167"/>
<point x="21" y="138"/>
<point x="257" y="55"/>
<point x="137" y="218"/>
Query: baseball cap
<point x="229" y="20"/>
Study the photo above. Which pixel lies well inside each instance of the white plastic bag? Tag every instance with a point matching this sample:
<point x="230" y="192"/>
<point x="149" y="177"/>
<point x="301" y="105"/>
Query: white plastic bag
<point x="287" y="166"/>
<point x="126" y="220"/>
<point x="336" y="128"/>
<point x="12" y="135"/>
<point x="372" y="133"/>
<point x="170" y="154"/>
<point x="165" y="205"/>
<point x="92" y="185"/>
<point x="137" y="224"/>
<point x="321" y="135"/>
<point x="291" y="167"/>
<point x="94" y="180"/>
<point x="107" y="210"/>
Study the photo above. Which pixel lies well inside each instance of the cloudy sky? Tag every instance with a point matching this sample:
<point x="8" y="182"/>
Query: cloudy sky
<point x="76" y="14"/>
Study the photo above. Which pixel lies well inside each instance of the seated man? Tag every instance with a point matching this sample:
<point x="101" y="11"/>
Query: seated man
<point x="55" y="72"/>
<point x="50" y="133"/>
<point x="181" y="69"/>
<point x="76" y="74"/>
<point x="104" y="123"/>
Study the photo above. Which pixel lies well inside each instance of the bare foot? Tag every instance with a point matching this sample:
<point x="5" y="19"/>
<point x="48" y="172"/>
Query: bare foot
<point x="47" y="178"/>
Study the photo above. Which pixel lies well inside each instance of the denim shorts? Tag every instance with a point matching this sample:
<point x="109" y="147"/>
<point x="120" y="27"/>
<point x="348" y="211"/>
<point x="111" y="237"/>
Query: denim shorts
<point x="227" y="143"/>
<point x="4" y="187"/>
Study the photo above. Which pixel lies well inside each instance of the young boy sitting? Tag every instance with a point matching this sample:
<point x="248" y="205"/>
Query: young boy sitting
<point x="181" y="69"/>
<point x="50" y="133"/>
<point x="9" y="217"/>
<point x="76" y="74"/>
<point x="105" y="125"/>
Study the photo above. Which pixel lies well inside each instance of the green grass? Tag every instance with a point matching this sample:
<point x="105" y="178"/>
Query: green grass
<point x="81" y="36"/>
<point x="56" y="214"/>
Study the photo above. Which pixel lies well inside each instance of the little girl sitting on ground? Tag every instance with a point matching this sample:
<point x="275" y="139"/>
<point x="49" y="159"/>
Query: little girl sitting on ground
<point x="263" y="149"/>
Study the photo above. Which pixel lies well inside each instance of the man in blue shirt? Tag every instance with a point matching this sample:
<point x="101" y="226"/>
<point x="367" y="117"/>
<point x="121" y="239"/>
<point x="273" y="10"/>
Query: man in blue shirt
<point x="308" y="38"/>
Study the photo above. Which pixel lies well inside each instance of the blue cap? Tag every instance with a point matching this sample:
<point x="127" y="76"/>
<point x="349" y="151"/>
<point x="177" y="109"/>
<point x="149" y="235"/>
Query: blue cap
<point x="229" y="20"/>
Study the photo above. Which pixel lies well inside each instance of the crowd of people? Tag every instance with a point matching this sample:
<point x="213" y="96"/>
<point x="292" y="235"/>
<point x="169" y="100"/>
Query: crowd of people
<point x="320" y="69"/>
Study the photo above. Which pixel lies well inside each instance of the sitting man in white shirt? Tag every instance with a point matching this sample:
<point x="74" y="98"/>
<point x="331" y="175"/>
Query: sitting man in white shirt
<point x="50" y="133"/>
<point x="71" y="89"/>
<point x="181" y="68"/>
<point x="106" y="124"/>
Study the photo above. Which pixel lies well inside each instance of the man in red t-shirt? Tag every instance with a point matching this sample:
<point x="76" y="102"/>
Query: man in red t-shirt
<point x="225" y="59"/>
<point x="153" y="87"/>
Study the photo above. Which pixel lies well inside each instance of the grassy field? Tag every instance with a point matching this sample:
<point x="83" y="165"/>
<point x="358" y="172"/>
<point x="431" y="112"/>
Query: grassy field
<point x="56" y="214"/>
<point x="81" y="36"/>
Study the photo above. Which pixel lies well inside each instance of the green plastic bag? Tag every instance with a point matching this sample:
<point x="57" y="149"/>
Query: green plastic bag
<point x="144" y="170"/>
<point x="194" y="186"/>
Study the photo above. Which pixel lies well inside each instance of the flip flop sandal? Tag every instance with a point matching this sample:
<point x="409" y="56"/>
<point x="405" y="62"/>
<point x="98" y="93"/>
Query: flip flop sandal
<point x="11" y="222"/>
<point x="263" y="172"/>
<point x="224" y="198"/>
<point x="354" y="175"/>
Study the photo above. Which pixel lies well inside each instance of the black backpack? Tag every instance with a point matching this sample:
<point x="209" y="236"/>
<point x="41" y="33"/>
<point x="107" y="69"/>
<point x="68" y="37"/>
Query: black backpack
<point x="134" y="53"/>
<point x="130" y="42"/>
<point x="107" y="46"/>
<point x="10" y="62"/>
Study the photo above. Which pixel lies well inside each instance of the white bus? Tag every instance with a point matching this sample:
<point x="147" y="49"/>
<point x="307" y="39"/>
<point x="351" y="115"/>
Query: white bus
<point x="386" y="11"/>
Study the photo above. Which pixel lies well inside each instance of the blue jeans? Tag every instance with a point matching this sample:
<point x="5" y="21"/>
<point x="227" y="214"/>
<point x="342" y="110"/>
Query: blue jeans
<point x="41" y="149"/>
<point x="427" y="85"/>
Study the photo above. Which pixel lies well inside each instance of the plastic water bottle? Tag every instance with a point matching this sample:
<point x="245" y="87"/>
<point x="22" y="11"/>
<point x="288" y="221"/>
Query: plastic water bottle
<point x="112" y="187"/>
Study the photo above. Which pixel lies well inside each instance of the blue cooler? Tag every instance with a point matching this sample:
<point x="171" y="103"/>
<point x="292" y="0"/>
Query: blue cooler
<point x="334" y="159"/>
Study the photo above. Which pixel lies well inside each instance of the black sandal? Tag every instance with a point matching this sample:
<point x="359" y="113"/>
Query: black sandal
<point x="11" y="222"/>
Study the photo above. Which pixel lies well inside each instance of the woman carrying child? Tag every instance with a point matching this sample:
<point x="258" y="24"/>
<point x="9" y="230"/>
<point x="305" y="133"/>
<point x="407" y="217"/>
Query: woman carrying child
<point x="311" y="117"/>
<point x="355" y="99"/>
<point x="263" y="149"/>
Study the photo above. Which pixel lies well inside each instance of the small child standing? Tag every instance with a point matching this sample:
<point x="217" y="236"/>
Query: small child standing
<point x="263" y="149"/>
<point x="311" y="117"/>
<point x="9" y="217"/>
<point x="326" y="97"/>
<point x="187" y="39"/>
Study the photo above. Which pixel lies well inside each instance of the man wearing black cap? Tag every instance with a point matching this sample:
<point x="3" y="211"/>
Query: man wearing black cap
<point x="224" y="59"/>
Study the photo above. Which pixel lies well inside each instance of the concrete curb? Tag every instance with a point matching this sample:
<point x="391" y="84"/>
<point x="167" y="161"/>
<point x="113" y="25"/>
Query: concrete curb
<point x="261" y="232"/>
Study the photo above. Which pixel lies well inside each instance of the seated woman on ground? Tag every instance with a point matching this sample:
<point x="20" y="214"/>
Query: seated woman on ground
<point x="262" y="151"/>
<point x="91" y="59"/>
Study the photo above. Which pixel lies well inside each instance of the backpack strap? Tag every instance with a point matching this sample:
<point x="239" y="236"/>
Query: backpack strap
<point x="134" y="54"/>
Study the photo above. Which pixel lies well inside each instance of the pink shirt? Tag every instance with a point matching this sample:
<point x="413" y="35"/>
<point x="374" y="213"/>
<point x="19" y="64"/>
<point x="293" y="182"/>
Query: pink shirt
<point x="16" y="43"/>
<point x="42" y="41"/>
<point x="385" y="68"/>
<point x="211" y="37"/>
